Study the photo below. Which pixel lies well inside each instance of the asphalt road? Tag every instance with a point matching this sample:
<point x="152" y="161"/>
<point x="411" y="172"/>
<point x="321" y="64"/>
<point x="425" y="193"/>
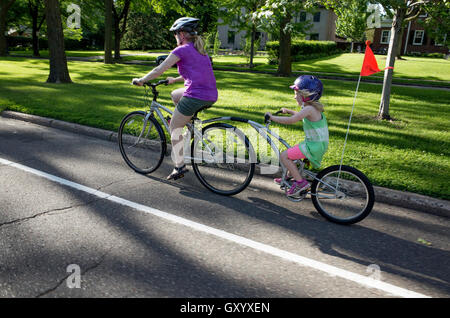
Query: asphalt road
<point x="69" y="205"/>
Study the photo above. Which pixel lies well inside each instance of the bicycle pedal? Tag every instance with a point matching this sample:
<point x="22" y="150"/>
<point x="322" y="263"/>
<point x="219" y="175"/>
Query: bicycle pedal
<point x="178" y="176"/>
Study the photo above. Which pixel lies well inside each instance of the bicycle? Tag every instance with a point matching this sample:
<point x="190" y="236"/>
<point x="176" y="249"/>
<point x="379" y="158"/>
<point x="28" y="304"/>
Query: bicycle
<point x="341" y="194"/>
<point x="143" y="145"/>
<point x="224" y="161"/>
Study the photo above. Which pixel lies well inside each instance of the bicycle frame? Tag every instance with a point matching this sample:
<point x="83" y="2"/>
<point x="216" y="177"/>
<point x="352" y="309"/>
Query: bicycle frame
<point x="156" y="107"/>
<point x="264" y="131"/>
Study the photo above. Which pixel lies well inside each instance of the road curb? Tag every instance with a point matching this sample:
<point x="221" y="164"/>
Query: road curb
<point x="409" y="200"/>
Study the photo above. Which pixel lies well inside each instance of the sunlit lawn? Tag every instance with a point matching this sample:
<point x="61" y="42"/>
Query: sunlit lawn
<point x="410" y="153"/>
<point x="416" y="68"/>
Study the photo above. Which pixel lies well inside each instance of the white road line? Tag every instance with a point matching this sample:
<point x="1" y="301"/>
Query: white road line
<point x="329" y="269"/>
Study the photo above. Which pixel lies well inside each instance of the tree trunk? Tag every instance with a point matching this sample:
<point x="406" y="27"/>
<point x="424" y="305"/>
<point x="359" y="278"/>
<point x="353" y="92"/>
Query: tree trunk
<point x="108" y="32"/>
<point x="118" y="33"/>
<point x="252" y="45"/>
<point x="59" y="72"/>
<point x="4" y="7"/>
<point x="398" y="49"/>
<point x="34" y="11"/>
<point x="35" y="40"/>
<point x="397" y="22"/>
<point x="116" y="41"/>
<point x="285" y="65"/>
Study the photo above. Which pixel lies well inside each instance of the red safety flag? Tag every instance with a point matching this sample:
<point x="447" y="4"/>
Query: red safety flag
<point x="370" y="65"/>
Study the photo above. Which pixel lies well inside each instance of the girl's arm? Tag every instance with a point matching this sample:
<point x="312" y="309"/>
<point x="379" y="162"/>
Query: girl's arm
<point x="297" y="116"/>
<point x="288" y="111"/>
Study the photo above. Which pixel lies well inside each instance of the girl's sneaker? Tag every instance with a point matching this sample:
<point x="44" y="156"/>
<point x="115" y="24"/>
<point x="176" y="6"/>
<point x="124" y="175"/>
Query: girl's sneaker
<point x="278" y="180"/>
<point x="297" y="187"/>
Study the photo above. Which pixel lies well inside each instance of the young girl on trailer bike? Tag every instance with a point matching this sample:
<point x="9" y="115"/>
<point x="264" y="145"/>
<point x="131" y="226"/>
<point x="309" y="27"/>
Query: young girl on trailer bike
<point x="200" y="91"/>
<point x="308" y="90"/>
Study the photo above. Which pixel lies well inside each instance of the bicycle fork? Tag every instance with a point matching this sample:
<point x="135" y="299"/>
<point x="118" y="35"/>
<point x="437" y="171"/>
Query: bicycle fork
<point x="143" y="129"/>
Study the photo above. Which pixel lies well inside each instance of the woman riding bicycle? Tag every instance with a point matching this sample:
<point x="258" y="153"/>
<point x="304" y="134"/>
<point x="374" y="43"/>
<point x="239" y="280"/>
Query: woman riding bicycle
<point x="200" y="91"/>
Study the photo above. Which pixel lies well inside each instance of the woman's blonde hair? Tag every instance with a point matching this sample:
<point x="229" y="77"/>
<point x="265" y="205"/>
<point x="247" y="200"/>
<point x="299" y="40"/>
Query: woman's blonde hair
<point x="199" y="44"/>
<point x="317" y="105"/>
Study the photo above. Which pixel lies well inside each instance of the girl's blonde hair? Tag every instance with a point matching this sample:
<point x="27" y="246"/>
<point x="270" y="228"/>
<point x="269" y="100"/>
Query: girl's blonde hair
<point x="199" y="44"/>
<point x="317" y="105"/>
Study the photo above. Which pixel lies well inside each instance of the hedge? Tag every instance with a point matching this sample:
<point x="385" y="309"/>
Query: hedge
<point x="302" y="49"/>
<point x="22" y="42"/>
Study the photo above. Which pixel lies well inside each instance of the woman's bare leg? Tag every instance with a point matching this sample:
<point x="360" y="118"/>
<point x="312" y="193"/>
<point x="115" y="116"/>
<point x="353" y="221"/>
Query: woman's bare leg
<point x="177" y="94"/>
<point x="177" y="123"/>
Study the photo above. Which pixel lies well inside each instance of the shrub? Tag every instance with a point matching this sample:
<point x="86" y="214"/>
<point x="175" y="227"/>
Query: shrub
<point x="22" y="43"/>
<point x="217" y="43"/>
<point x="302" y="50"/>
<point x="431" y="55"/>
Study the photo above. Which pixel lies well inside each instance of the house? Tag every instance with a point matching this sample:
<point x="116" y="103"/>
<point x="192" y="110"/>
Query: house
<point x="22" y="31"/>
<point x="414" y="39"/>
<point x="323" y="29"/>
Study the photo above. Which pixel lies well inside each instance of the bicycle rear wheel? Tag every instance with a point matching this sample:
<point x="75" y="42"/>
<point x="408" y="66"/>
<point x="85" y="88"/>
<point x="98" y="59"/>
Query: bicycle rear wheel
<point x="223" y="160"/>
<point x="142" y="143"/>
<point x="343" y="196"/>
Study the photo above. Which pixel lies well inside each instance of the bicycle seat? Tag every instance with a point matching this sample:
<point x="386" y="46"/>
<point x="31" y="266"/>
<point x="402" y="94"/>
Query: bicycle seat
<point x="198" y="111"/>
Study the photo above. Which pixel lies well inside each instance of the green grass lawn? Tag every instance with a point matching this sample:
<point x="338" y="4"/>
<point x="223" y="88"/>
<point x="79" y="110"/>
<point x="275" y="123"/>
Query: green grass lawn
<point x="410" y="70"/>
<point x="411" y="67"/>
<point x="410" y="153"/>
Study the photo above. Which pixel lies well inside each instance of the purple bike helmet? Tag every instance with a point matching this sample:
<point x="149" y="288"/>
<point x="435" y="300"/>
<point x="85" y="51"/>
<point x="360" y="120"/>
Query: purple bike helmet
<point x="311" y="83"/>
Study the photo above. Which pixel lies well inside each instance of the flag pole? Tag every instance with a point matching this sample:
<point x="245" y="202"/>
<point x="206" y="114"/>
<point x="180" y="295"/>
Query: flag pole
<point x="348" y="129"/>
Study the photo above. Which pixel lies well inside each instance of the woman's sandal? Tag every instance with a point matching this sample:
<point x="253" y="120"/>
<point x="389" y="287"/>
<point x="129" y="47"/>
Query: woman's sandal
<point x="177" y="173"/>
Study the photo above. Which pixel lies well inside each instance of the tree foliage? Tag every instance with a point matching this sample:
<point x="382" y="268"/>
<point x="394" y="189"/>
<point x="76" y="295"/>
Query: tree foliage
<point x="402" y="11"/>
<point x="437" y="21"/>
<point x="351" y="18"/>
<point x="240" y="16"/>
<point x="277" y="16"/>
<point x="145" y="32"/>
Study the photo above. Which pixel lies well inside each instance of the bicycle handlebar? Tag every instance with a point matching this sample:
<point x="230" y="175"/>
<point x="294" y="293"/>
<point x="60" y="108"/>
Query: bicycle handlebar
<point x="266" y="117"/>
<point x="165" y="82"/>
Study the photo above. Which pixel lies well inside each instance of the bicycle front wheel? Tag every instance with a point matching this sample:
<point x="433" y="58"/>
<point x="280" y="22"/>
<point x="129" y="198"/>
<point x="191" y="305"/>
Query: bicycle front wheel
<point x="223" y="159"/>
<point x="342" y="195"/>
<point x="142" y="142"/>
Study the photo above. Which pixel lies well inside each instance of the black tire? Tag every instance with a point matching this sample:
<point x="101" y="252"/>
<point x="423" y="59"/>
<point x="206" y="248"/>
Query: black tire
<point x="351" y="203"/>
<point x="146" y="155"/>
<point x="219" y="174"/>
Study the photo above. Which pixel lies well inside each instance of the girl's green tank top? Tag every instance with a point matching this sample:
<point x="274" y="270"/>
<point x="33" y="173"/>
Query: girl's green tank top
<point x="316" y="140"/>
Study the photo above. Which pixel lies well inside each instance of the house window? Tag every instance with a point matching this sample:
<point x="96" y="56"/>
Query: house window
<point x="418" y="37"/>
<point x="385" y="36"/>
<point x="314" y="37"/>
<point x="302" y="16"/>
<point x="316" y="17"/>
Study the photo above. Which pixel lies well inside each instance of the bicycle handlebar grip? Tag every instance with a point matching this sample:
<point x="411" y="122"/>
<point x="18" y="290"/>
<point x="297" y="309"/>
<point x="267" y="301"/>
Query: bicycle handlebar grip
<point x="278" y="112"/>
<point x="165" y="82"/>
<point x="266" y="118"/>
